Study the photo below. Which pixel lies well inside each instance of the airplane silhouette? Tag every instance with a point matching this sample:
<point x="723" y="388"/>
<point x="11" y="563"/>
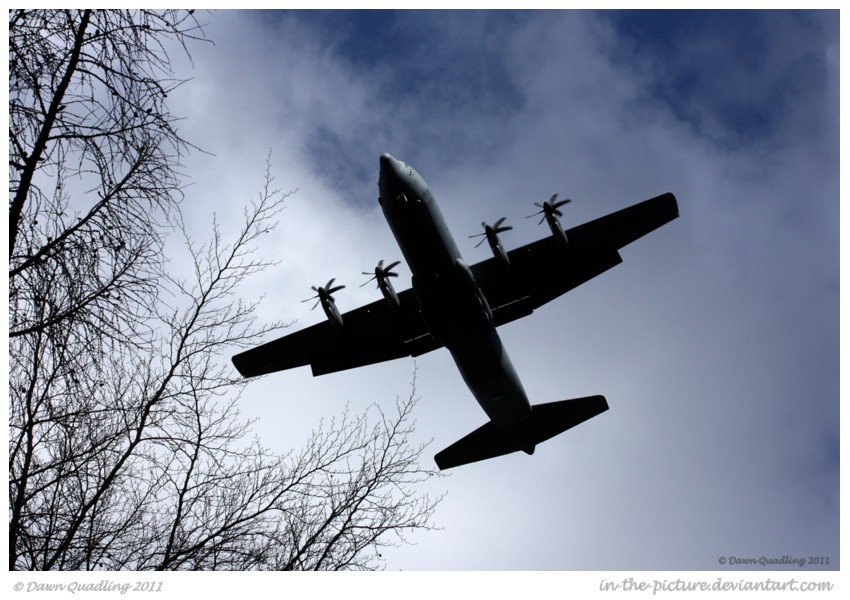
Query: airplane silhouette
<point x="457" y="306"/>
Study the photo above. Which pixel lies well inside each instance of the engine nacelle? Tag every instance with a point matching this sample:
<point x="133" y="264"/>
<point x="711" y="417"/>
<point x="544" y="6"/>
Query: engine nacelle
<point x="550" y="212"/>
<point x="498" y="250"/>
<point x="557" y="231"/>
<point x="388" y="291"/>
<point x="324" y="296"/>
<point x="331" y="312"/>
<point x="382" y="275"/>
<point x="491" y="234"/>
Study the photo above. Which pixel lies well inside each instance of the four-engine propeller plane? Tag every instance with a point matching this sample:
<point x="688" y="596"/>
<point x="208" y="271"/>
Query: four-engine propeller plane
<point x="459" y="306"/>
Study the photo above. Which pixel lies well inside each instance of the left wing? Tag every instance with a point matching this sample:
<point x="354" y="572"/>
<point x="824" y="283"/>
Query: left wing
<point x="372" y="333"/>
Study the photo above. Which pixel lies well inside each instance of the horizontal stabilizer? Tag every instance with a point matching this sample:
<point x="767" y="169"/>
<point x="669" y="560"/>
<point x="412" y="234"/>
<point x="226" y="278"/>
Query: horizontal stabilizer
<point x="546" y="421"/>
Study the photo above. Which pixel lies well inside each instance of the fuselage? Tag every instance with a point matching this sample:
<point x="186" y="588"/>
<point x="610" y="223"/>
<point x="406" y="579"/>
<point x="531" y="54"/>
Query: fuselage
<point x="453" y="306"/>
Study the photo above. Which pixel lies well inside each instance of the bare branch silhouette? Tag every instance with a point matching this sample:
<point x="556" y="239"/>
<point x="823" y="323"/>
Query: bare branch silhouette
<point x="126" y="450"/>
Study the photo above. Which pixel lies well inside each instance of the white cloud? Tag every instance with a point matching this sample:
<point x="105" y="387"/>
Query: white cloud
<point x="715" y="341"/>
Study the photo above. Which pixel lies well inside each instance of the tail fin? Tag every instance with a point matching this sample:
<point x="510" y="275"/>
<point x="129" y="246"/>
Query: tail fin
<point x="546" y="421"/>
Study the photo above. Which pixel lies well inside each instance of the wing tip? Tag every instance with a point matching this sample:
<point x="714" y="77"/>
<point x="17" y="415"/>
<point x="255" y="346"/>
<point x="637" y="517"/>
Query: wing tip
<point x="239" y="361"/>
<point x="674" y="202"/>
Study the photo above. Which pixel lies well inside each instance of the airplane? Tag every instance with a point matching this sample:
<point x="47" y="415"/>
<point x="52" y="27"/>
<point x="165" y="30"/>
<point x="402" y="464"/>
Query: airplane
<point x="457" y="306"/>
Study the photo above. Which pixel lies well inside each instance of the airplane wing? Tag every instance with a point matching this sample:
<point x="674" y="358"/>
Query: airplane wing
<point x="372" y="333"/>
<point x="543" y="270"/>
<point x="539" y="272"/>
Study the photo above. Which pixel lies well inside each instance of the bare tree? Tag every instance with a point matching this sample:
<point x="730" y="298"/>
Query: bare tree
<point x="126" y="450"/>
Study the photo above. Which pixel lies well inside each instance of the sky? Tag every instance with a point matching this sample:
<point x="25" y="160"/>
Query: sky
<point x="715" y="342"/>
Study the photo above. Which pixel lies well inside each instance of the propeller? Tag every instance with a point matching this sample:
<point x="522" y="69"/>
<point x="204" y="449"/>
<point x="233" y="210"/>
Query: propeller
<point x="491" y="230"/>
<point x="324" y="293"/>
<point x="381" y="272"/>
<point x="550" y="208"/>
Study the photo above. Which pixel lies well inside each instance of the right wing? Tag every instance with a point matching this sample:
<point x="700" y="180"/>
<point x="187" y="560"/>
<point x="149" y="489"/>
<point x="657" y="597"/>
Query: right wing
<point x="372" y="333"/>
<point x="543" y="270"/>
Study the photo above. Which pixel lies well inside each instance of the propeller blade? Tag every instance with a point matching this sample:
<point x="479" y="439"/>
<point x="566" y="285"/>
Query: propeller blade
<point x="541" y="211"/>
<point x="318" y="294"/>
<point x="313" y="298"/>
<point x="549" y="208"/>
<point x="381" y="271"/>
<point x="489" y="230"/>
<point x="320" y="291"/>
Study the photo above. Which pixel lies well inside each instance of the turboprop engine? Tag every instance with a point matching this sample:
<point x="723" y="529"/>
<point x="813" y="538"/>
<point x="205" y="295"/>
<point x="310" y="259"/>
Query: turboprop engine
<point x="324" y="296"/>
<point x="382" y="275"/>
<point x="550" y="212"/>
<point x="491" y="234"/>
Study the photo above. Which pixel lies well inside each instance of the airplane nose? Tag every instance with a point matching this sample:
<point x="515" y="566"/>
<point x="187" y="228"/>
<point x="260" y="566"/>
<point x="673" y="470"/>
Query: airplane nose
<point x="388" y="163"/>
<point x="390" y="174"/>
<point x="396" y="178"/>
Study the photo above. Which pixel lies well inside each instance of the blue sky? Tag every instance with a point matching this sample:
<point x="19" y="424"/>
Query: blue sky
<point x="716" y="342"/>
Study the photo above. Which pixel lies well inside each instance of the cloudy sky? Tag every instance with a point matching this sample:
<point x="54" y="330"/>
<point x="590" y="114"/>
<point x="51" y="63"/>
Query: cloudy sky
<point x="716" y="342"/>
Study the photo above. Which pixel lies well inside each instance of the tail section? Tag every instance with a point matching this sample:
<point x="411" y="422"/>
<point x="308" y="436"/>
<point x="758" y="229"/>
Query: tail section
<point x="547" y="421"/>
